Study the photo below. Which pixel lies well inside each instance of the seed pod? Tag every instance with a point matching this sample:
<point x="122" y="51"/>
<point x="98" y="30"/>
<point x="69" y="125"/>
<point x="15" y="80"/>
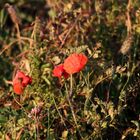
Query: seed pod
<point x="137" y="15"/>
<point x="13" y="15"/>
<point x="99" y="6"/>
<point x="127" y="44"/>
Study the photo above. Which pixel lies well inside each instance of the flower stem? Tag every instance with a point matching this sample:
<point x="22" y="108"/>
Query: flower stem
<point x="69" y="98"/>
<point x="70" y="93"/>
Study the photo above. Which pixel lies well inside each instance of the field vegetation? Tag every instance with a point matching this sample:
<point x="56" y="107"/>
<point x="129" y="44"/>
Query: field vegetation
<point x="69" y="69"/>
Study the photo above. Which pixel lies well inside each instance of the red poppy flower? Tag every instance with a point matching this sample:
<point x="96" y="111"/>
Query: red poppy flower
<point x="26" y="80"/>
<point x="18" y="88"/>
<point x="20" y="82"/>
<point x="74" y="63"/>
<point x="20" y="74"/>
<point x="59" y="71"/>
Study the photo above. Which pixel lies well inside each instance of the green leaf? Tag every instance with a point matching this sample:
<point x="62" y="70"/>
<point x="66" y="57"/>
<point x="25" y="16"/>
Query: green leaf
<point x="3" y="119"/>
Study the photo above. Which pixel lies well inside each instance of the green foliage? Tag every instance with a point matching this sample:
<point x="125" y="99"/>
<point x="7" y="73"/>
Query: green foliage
<point x="100" y="102"/>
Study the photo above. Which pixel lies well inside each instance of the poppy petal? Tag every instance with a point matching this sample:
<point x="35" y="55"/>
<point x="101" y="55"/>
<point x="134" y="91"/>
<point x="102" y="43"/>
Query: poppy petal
<point x="26" y="80"/>
<point x="58" y="71"/>
<point x="83" y="60"/>
<point x="74" y="63"/>
<point x="18" y="88"/>
<point x="71" y="64"/>
<point x="20" y="81"/>
<point x="20" y="74"/>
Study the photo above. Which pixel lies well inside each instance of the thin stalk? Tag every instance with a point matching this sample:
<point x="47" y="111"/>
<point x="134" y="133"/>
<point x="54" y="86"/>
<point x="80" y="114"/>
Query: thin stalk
<point x="70" y="104"/>
<point x="48" y="133"/>
<point x="59" y="113"/>
<point x="20" y="105"/>
<point x="18" y="36"/>
<point x="70" y="93"/>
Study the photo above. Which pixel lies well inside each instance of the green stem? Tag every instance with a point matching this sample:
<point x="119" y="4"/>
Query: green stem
<point x="70" y="104"/>
<point x="59" y="113"/>
<point x="70" y="93"/>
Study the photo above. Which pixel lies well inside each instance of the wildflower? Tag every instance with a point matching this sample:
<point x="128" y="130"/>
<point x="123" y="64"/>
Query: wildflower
<point x="75" y="63"/>
<point x="59" y="71"/>
<point x="35" y="110"/>
<point x="20" y="81"/>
